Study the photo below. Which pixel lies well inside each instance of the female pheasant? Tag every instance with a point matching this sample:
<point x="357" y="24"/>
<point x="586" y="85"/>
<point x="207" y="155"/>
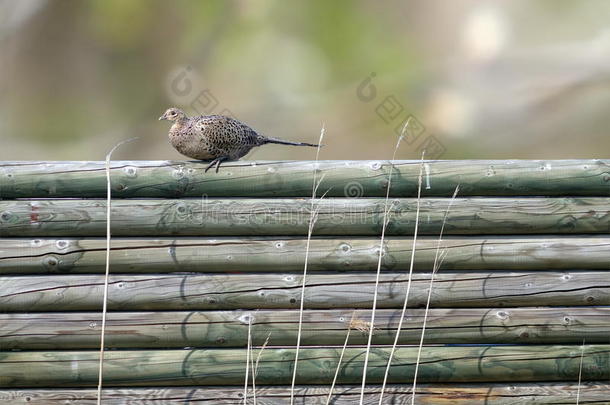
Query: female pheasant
<point x="215" y="138"/>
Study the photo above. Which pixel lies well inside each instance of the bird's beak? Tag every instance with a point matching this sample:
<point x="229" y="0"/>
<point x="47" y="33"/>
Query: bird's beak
<point x="161" y="118"/>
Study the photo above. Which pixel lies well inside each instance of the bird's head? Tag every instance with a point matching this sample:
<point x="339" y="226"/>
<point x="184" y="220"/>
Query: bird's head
<point x="173" y="114"/>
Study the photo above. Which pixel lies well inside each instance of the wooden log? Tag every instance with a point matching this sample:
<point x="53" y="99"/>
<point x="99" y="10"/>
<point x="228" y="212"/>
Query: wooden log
<point x="426" y="394"/>
<point x="81" y="330"/>
<point x="268" y="254"/>
<point x="340" y="216"/>
<point x="346" y="290"/>
<point x="316" y="366"/>
<point x="295" y="179"/>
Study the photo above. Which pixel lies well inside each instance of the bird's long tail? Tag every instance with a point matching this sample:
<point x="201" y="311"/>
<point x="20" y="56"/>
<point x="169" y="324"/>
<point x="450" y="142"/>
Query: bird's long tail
<point x="283" y="142"/>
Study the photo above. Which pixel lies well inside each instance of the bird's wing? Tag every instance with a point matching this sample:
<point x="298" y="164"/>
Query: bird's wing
<point x="232" y="128"/>
<point x="250" y="136"/>
<point x="201" y="122"/>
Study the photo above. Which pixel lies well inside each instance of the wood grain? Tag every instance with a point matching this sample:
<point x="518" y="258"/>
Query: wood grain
<point x="335" y="216"/>
<point x="177" y="329"/>
<point x="427" y="394"/>
<point x="295" y="178"/>
<point x="283" y="254"/>
<point x="191" y="270"/>
<point x="316" y="366"/>
<point x="343" y="290"/>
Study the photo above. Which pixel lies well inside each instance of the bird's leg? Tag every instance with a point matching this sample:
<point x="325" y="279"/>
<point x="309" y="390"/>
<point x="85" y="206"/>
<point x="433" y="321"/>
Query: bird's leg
<point x="216" y="162"/>
<point x="220" y="160"/>
<point x="211" y="165"/>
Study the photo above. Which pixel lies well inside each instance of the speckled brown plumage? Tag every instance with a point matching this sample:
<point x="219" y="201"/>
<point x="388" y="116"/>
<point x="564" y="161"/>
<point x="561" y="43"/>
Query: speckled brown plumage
<point x="215" y="138"/>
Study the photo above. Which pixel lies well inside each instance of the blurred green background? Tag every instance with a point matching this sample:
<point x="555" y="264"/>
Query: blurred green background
<point x="482" y="79"/>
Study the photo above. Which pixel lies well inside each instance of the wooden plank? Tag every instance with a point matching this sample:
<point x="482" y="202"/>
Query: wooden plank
<point x="344" y="290"/>
<point x="81" y="330"/>
<point x="316" y="366"/>
<point x="295" y="178"/>
<point x="269" y="254"/>
<point x="336" y="216"/>
<point x="427" y="394"/>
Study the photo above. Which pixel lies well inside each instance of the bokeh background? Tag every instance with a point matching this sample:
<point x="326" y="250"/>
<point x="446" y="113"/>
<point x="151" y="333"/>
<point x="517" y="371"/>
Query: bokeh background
<point x="481" y="79"/>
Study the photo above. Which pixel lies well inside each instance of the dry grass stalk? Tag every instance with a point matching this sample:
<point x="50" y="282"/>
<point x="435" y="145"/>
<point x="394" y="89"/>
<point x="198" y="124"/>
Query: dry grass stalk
<point x="332" y="386"/>
<point x="312" y="221"/>
<point x="582" y="355"/>
<point x="255" y="366"/>
<point x="404" y="308"/>
<point x="386" y="210"/>
<point x="248" y="351"/>
<point x="107" y="271"/>
<point x="362" y="326"/>
<point x="439" y="257"/>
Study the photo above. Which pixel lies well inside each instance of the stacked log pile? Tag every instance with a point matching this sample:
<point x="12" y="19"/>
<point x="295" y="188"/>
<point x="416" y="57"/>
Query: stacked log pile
<point x="201" y="263"/>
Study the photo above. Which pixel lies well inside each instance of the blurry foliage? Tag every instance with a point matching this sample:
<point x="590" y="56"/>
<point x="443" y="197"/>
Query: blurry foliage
<point x="120" y="25"/>
<point x="80" y="76"/>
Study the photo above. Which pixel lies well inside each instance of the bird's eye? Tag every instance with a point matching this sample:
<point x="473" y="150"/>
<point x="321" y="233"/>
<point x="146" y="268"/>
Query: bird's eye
<point x="173" y="113"/>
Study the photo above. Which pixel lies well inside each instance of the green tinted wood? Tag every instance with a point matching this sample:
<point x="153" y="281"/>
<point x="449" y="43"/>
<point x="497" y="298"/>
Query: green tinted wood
<point x="81" y="330"/>
<point x="427" y="394"/>
<point x="344" y="290"/>
<point x="316" y="366"/>
<point x="283" y="254"/>
<point x="340" y="216"/>
<point x="295" y="178"/>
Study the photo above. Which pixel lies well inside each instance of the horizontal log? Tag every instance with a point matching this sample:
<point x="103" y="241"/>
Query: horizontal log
<point x="267" y="254"/>
<point x="81" y="330"/>
<point x="340" y="216"/>
<point x="346" y="290"/>
<point x="426" y="394"/>
<point x="295" y="178"/>
<point x="316" y="366"/>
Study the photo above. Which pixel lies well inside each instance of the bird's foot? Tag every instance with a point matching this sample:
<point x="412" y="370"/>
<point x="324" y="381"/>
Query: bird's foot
<point x="216" y="162"/>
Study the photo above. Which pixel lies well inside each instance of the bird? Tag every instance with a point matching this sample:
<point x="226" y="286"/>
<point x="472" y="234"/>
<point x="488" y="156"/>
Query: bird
<point x="215" y="138"/>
